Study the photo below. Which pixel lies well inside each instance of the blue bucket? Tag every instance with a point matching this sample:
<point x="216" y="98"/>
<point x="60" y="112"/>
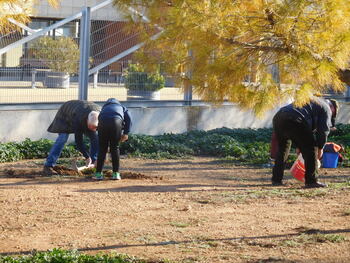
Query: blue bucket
<point x="330" y="160"/>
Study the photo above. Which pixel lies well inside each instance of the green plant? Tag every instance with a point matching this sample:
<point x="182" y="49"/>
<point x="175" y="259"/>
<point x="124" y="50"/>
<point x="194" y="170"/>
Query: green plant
<point x="34" y="149"/>
<point x="320" y="238"/>
<point x="137" y="79"/>
<point x="28" y="149"/>
<point x="60" y="54"/>
<point x="9" y="152"/>
<point x="66" y="256"/>
<point x="234" y="146"/>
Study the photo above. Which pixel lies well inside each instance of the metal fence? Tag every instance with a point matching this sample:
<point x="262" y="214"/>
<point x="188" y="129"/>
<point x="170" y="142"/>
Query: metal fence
<point x="47" y="68"/>
<point x="33" y="71"/>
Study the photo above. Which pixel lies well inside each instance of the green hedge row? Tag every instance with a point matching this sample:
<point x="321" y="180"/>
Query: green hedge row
<point x="247" y="146"/>
<point x="65" y="256"/>
<point x="244" y="145"/>
<point x="28" y="149"/>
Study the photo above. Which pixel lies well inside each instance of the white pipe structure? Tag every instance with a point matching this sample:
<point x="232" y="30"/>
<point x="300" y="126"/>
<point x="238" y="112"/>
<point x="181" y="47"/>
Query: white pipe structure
<point x="23" y="26"/>
<point x="121" y="55"/>
<point x="128" y="51"/>
<point x="49" y="28"/>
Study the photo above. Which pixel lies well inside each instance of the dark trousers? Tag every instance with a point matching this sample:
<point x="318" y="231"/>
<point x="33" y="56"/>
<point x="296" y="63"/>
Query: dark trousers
<point x="109" y="134"/>
<point x="288" y="129"/>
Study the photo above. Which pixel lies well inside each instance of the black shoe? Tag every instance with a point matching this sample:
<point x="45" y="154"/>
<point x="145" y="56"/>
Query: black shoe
<point x="49" y="171"/>
<point x="277" y="183"/>
<point x="315" y="185"/>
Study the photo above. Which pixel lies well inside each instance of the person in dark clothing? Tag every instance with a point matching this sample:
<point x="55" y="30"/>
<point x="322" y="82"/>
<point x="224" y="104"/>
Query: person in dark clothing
<point x="113" y="127"/>
<point x="308" y="128"/>
<point x="81" y="118"/>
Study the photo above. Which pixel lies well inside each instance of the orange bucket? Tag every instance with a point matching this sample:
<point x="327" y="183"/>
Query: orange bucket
<point x="298" y="169"/>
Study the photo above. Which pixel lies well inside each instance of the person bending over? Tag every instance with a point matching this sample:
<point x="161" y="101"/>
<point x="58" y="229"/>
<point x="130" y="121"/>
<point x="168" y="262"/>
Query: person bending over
<point x="81" y="118"/>
<point x="308" y="128"/>
<point x="113" y="127"/>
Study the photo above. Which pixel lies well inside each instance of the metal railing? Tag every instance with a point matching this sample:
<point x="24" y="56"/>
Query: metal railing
<point x="105" y="49"/>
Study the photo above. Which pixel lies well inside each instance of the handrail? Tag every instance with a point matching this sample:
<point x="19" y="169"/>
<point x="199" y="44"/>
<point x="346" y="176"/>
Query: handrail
<point x="49" y="28"/>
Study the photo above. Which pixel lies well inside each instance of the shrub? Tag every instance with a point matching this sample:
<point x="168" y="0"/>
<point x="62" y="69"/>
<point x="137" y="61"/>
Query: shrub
<point x="154" y="147"/>
<point x="28" y="149"/>
<point x="218" y="142"/>
<point x="34" y="149"/>
<point x="9" y="152"/>
<point x="65" y="256"/>
<point x="137" y="79"/>
<point x="60" y="54"/>
<point x="247" y="146"/>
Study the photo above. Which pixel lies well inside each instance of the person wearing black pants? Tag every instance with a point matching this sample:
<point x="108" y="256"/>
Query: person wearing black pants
<point x="308" y="128"/>
<point x="113" y="127"/>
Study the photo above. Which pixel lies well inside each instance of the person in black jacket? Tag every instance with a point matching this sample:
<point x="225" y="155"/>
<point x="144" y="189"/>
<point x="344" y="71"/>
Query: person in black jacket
<point x="81" y="118"/>
<point x="113" y="127"/>
<point x="308" y="128"/>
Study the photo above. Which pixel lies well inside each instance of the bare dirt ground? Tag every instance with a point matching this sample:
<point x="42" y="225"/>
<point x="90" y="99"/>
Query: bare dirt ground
<point x="193" y="210"/>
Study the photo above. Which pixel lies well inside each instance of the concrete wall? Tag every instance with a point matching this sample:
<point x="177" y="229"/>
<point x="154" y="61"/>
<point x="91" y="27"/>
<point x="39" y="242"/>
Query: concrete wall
<point x="18" y="124"/>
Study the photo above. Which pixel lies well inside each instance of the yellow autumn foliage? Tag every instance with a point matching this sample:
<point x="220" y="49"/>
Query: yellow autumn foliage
<point x="228" y="48"/>
<point x="19" y="10"/>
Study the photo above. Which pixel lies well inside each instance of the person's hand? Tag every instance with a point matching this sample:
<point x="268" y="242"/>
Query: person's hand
<point x="333" y="128"/>
<point x="319" y="153"/>
<point x="92" y="164"/>
<point x="124" y="138"/>
<point x="318" y="164"/>
<point x="88" y="162"/>
<point x="297" y="150"/>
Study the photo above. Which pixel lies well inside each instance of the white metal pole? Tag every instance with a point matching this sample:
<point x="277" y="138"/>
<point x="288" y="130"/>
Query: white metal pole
<point x="95" y="79"/>
<point x="84" y="54"/>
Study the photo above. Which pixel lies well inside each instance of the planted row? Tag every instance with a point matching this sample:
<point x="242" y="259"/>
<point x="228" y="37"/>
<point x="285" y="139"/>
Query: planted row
<point x="28" y="149"/>
<point x="66" y="256"/>
<point x="248" y="146"/>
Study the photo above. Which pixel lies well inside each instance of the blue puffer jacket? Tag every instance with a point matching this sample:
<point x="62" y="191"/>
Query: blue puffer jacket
<point x="113" y="109"/>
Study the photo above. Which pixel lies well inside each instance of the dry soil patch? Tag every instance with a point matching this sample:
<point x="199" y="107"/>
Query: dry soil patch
<point x="195" y="210"/>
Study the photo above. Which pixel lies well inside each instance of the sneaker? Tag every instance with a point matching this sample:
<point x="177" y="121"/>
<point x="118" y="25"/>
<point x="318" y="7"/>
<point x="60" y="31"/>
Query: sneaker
<point x="316" y="185"/>
<point x="116" y="176"/>
<point x="49" y="171"/>
<point x="98" y="176"/>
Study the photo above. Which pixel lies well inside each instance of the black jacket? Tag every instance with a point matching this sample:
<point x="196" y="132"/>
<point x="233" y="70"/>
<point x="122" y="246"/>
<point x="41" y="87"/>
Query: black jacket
<point x="113" y="109"/>
<point x="316" y="115"/>
<point x="72" y="116"/>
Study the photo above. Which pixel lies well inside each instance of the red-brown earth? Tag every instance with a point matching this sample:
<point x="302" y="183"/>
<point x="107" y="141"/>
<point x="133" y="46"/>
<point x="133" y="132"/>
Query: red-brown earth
<point x="187" y="210"/>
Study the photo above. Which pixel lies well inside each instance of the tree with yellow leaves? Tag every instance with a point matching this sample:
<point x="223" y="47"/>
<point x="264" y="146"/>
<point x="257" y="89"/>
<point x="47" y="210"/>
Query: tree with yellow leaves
<point x="226" y="48"/>
<point x="19" y="10"/>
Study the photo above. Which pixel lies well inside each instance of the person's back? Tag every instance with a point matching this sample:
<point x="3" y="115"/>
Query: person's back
<point x="112" y="109"/>
<point x="71" y="116"/>
<point x="308" y="128"/>
<point x="316" y="114"/>
<point x="113" y="128"/>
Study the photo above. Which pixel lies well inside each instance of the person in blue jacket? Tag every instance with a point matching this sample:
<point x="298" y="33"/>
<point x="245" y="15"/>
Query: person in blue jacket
<point x="308" y="128"/>
<point x="113" y="127"/>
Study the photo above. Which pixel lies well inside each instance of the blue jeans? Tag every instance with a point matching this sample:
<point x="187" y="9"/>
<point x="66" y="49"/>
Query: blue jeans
<point x="56" y="149"/>
<point x="61" y="140"/>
